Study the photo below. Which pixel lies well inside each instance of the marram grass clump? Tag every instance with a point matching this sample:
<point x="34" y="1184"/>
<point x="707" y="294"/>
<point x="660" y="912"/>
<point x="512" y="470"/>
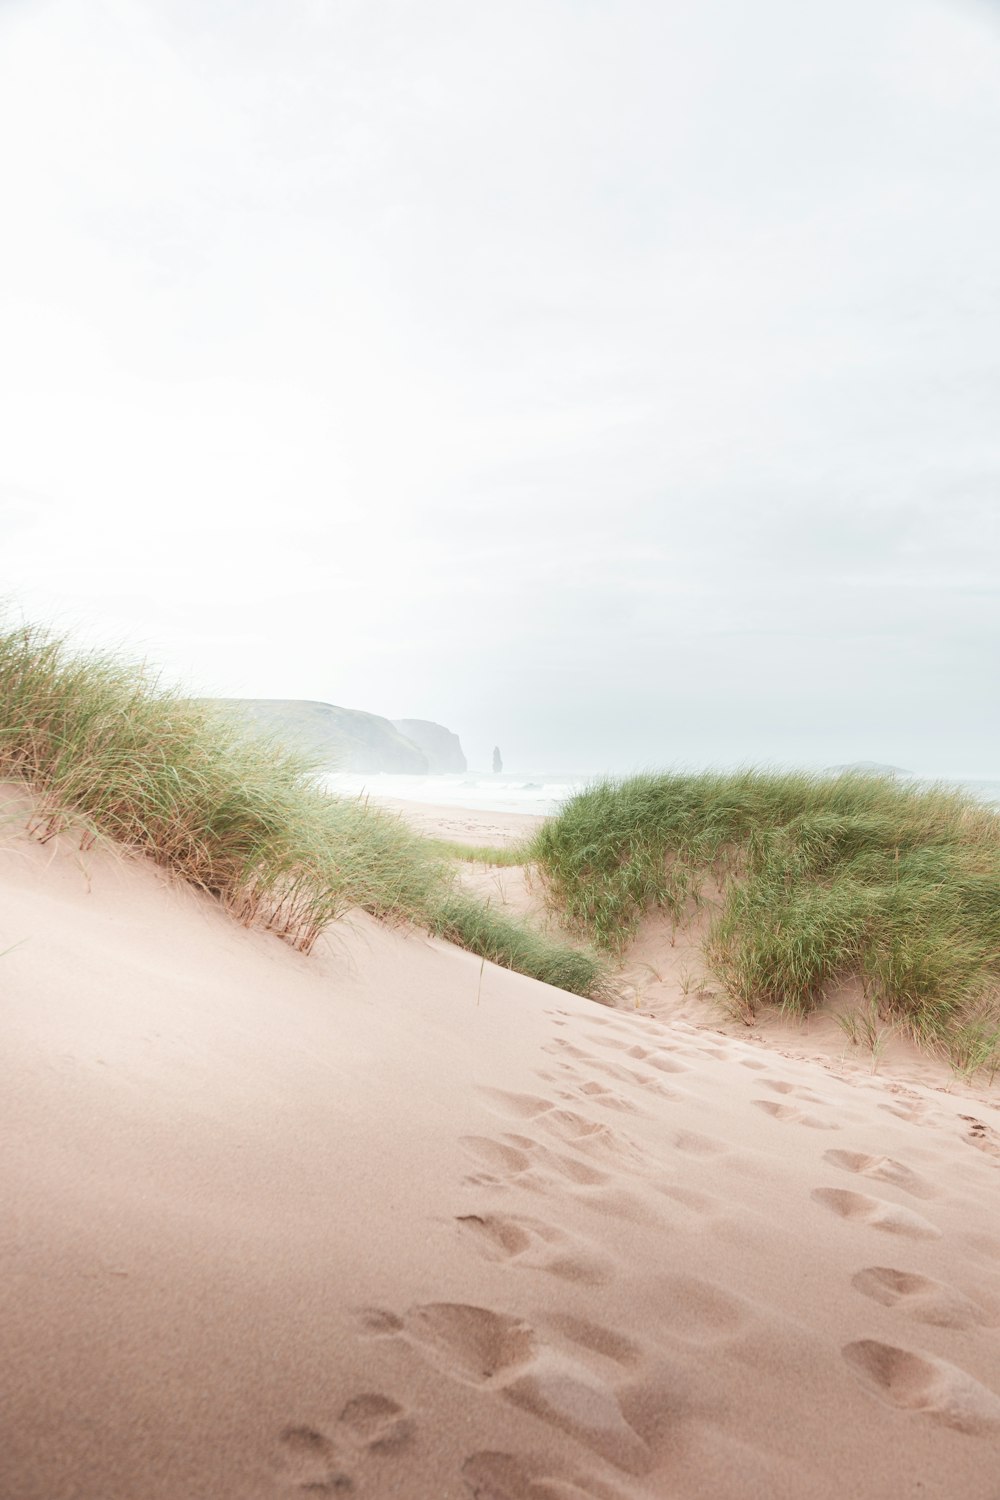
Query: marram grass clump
<point x="473" y="924"/>
<point x="106" y="751"/>
<point x="808" y="881"/>
<point x="103" y="747"/>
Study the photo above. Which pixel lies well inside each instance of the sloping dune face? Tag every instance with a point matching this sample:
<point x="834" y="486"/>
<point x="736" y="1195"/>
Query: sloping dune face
<point x="373" y="1223"/>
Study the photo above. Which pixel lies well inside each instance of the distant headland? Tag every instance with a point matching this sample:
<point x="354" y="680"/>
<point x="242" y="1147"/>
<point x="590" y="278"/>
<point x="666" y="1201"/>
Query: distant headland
<point x="348" y="739"/>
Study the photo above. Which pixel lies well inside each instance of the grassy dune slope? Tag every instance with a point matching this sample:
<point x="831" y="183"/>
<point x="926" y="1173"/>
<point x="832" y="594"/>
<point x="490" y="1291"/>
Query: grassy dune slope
<point x="819" y="880"/>
<point x="104" y="749"/>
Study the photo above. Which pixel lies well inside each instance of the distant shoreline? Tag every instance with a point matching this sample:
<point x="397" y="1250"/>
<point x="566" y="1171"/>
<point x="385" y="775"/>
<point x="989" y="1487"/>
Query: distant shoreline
<point x="532" y="794"/>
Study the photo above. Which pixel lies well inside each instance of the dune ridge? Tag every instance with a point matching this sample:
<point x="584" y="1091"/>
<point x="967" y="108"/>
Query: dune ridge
<point x="382" y="1221"/>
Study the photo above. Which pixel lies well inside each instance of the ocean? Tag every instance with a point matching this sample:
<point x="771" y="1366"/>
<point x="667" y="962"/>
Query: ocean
<point x="541" y="792"/>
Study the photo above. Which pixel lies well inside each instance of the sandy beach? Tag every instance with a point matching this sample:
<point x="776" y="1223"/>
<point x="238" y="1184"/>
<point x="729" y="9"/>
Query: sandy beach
<point x="461" y="825"/>
<point x="386" y="1221"/>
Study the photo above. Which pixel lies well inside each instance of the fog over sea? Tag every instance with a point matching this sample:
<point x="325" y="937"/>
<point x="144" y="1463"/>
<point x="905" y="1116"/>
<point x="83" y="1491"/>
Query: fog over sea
<point x="541" y="792"/>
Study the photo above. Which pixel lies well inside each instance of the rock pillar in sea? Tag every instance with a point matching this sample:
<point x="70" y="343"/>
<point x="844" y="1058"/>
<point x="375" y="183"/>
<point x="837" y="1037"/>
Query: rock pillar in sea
<point x="497" y="762"/>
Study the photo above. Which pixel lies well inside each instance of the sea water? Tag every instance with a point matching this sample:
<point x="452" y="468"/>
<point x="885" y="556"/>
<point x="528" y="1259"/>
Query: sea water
<point x="540" y="792"/>
<point x="524" y="792"/>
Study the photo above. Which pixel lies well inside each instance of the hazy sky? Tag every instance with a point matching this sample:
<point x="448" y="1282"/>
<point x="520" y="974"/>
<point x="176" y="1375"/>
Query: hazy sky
<point x="615" y="379"/>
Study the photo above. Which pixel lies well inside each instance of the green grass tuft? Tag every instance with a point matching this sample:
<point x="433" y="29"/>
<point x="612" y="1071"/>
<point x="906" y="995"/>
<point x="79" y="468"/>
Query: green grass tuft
<point x="479" y="854"/>
<point x="812" y="880"/>
<point x="476" y="926"/>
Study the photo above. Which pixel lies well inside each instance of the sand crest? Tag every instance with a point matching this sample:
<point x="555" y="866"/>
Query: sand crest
<point x="361" y="1224"/>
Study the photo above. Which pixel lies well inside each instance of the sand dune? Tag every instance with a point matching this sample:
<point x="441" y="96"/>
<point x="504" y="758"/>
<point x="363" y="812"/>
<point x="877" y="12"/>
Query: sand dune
<point x="381" y="1223"/>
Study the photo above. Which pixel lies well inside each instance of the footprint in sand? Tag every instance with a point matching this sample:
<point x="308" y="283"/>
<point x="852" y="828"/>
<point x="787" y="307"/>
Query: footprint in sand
<point x="594" y="1337"/>
<point x="315" y="1462"/>
<point x="885" y="1169"/>
<point x="600" y="1094"/>
<point x="619" y="1044"/>
<point x="520" y="1159"/>
<point x="571" y="1126"/>
<point x="561" y="1047"/>
<point x="693" y="1144"/>
<point x="876" y="1213"/>
<point x="781" y="1086"/>
<point x="911" y="1113"/>
<point x="478" y="1346"/>
<point x="575" y="1401"/>
<point x="521" y="1106"/>
<point x="648" y="1082"/>
<point x="377" y="1423"/>
<point x="593" y="1137"/>
<point x="504" y="1238"/>
<point x="695" y="1201"/>
<point x="378" y="1323"/>
<point x="901" y="1091"/>
<point x="982" y="1136"/>
<point x="568" y="1167"/>
<point x="918" y="1382"/>
<point x="700" y="1312"/>
<point x="788" y="1113"/>
<point x="531" y="1244"/>
<point x="505" y="1159"/>
<point x="657" y="1058"/>
<point x="920" y="1298"/>
<point x="471" y="1344"/>
<point x="609" y="1021"/>
<point x="307" y="1460"/>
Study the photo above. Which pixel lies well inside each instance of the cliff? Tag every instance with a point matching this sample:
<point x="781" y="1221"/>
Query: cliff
<point x="442" y="748"/>
<point x="341" y="739"/>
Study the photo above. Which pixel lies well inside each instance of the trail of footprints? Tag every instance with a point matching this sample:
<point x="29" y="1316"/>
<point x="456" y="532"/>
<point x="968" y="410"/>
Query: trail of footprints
<point x="576" y="1378"/>
<point x="905" y="1379"/>
<point x="921" y="1298"/>
<point x="902" y="1378"/>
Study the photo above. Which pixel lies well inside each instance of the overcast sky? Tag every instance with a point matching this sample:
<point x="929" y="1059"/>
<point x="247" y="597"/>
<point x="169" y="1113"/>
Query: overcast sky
<point x="618" y="380"/>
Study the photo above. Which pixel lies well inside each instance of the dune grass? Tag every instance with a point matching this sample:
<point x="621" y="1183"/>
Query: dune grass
<point x="107" y="752"/>
<point x="475" y="925"/>
<point x="811" y="881"/>
<point x="480" y="854"/>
